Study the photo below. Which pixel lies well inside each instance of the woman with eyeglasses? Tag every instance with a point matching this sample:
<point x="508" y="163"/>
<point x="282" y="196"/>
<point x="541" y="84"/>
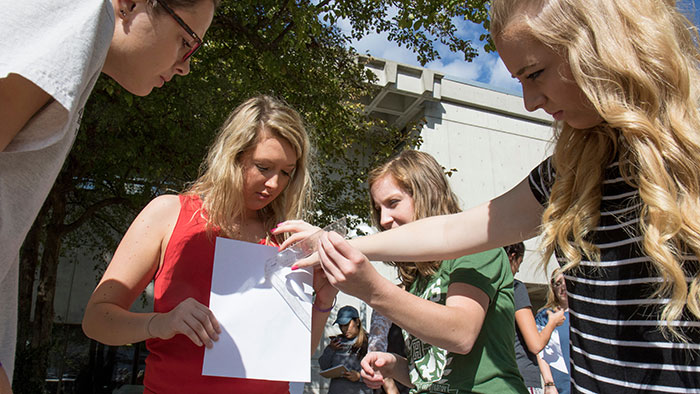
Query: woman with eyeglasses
<point x="554" y="363"/>
<point x="53" y="53"/>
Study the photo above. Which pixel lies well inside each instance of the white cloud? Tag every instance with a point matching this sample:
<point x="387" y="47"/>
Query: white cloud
<point x="458" y="69"/>
<point x="501" y="77"/>
<point x="485" y="68"/>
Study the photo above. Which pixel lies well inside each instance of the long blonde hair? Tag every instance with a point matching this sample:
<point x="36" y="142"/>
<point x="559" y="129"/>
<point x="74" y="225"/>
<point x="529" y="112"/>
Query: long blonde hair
<point x="220" y="183"/>
<point x="420" y="176"/>
<point x="637" y="62"/>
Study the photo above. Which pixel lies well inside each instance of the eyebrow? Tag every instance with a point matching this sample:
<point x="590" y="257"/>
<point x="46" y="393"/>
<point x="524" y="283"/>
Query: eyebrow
<point x="393" y="196"/>
<point x="269" y="162"/>
<point x="522" y="69"/>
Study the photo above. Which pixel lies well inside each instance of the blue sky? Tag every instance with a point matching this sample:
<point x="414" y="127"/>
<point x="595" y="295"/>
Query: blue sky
<point x="485" y="68"/>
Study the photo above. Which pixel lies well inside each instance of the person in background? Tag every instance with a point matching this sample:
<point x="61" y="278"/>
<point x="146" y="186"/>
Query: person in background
<point x="555" y="355"/>
<point x="347" y="349"/>
<point x="457" y="315"/>
<point x="528" y="340"/>
<point x="53" y="53"/>
<point x="255" y="174"/>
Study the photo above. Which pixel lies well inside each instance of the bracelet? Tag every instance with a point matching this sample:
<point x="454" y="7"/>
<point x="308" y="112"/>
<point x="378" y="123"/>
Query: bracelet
<point x="335" y="299"/>
<point x="548" y="384"/>
<point x="148" y="326"/>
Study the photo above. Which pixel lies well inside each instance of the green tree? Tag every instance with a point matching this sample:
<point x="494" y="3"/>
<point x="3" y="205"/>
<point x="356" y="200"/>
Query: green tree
<point x="131" y="149"/>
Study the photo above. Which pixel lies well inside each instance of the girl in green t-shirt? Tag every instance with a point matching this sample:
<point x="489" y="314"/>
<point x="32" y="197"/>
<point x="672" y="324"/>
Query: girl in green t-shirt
<point x="448" y="305"/>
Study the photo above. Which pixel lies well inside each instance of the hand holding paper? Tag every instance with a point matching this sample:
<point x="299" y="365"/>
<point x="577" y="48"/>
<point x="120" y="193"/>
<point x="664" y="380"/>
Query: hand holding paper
<point x="190" y="318"/>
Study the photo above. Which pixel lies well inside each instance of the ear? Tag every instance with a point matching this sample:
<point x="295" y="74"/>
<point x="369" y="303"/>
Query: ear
<point x="124" y="9"/>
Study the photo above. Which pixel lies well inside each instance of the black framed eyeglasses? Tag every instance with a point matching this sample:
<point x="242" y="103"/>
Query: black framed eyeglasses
<point x="195" y="37"/>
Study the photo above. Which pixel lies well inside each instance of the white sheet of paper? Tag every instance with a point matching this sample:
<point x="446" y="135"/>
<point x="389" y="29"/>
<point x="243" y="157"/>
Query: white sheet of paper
<point x="261" y="337"/>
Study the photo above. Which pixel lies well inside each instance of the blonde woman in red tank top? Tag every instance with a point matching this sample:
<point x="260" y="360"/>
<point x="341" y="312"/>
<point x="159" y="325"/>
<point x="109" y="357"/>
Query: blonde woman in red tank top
<point x="254" y="176"/>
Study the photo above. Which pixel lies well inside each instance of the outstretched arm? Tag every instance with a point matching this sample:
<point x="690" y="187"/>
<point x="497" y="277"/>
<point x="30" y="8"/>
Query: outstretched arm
<point x="509" y="218"/>
<point x="512" y="217"/>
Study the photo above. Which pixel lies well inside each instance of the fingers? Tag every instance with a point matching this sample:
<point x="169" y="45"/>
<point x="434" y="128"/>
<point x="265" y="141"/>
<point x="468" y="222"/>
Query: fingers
<point x="197" y="322"/>
<point x="327" y="263"/>
<point x="314" y="259"/>
<point x="367" y="362"/>
<point x="370" y="373"/>
<point x="352" y="376"/>
<point x="343" y="247"/>
<point x="345" y="256"/>
<point x="291" y="226"/>
<point x="307" y="261"/>
<point x="292" y="239"/>
<point x="200" y="328"/>
<point x="299" y="229"/>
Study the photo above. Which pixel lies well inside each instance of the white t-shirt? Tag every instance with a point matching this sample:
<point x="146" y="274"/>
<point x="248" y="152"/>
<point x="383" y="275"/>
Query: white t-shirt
<point x="61" y="47"/>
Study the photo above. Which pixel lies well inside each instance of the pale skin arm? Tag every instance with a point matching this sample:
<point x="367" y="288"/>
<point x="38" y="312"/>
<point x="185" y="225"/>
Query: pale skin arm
<point x="537" y="340"/>
<point x="376" y="366"/>
<point x="20" y="99"/>
<point x="512" y="217"/>
<point x="546" y="375"/>
<point x="460" y="319"/>
<point x="389" y="386"/>
<point x="325" y="294"/>
<point x="107" y="317"/>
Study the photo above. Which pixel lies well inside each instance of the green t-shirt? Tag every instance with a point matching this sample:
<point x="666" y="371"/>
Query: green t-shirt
<point x="490" y="367"/>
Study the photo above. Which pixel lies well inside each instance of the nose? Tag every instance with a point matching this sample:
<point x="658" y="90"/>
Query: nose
<point x="182" y="67"/>
<point x="533" y="98"/>
<point x="385" y="219"/>
<point x="272" y="182"/>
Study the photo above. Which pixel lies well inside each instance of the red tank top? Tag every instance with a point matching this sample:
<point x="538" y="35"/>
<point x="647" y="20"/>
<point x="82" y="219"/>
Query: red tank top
<point x="175" y="365"/>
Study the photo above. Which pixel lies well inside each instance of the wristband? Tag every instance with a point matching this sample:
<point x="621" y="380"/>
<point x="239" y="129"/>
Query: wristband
<point x="335" y="299"/>
<point x="549" y="384"/>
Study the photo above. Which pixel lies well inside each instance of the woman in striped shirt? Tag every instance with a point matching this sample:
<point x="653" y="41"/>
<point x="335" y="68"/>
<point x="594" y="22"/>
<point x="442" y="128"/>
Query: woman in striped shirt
<point x="618" y="202"/>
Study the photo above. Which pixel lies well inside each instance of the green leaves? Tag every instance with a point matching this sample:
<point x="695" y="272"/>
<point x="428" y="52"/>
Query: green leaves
<point x="131" y="149"/>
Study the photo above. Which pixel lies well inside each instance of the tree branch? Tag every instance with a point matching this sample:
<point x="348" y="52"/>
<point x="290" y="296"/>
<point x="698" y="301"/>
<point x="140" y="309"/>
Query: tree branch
<point x="89" y="211"/>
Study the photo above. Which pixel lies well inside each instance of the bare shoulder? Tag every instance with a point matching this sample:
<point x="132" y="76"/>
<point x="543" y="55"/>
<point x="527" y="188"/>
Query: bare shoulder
<point x="163" y="205"/>
<point x="161" y="213"/>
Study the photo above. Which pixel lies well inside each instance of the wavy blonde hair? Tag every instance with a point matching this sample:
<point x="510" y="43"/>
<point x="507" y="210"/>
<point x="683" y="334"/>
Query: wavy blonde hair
<point x="637" y="62"/>
<point x="420" y="176"/>
<point x="220" y="183"/>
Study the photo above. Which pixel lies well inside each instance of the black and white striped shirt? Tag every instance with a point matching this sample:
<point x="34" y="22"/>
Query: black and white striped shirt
<point x="616" y="345"/>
